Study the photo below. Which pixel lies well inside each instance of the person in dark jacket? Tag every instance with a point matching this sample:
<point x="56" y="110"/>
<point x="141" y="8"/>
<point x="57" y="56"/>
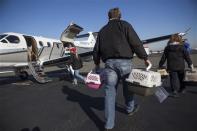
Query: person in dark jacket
<point x="76" y="63"/>
<point x="176" y="54"/>
<point x="115" y="45"/>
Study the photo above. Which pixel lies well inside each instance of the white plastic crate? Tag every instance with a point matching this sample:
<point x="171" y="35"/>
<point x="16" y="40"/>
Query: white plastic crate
<point x="144" y="78"/>
<point x="191" y="76"/>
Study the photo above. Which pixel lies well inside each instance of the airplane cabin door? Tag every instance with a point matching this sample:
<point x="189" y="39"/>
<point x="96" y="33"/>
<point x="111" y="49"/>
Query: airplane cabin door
<point x="45" y="52"/>
<point x="32" y="48"/>
<point x="57" y="51"/>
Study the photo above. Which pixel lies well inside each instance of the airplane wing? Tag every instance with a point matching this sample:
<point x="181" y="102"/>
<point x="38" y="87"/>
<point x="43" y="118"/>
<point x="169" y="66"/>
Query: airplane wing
<point x="156" y="39"/>
<point x="64" y="60"/>
<point x="160" y="38"/>
<point x="60" y="60"/>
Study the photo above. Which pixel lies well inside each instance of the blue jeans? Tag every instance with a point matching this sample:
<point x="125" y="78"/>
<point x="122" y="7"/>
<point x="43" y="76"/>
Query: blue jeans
<point x="116" y="70"/>
<point x="78" y="76"/>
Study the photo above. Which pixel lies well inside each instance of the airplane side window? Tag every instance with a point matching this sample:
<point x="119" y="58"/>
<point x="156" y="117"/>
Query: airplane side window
<point x="4" y="41"/>
<point x="81" y="39"/>
<point x="81" y="36"/>
<point x="95" y="35"/>
<point x="13" y="39"/>
<point x="49" y="44"/>
<point x="41" y="43"/>
<point x="58" y="46"/>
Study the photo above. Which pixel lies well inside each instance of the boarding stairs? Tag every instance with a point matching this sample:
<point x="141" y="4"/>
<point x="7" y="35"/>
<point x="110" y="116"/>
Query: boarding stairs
<point x="38" y="72"/>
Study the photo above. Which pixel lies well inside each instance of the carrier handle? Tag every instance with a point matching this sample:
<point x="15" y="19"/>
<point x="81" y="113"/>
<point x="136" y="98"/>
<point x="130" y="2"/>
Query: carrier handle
<point x="149" y="66"/>
<point x="90" y="72"/>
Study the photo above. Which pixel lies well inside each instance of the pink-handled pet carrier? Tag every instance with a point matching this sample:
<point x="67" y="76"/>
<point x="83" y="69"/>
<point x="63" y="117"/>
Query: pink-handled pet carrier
<point x="93" y="80"/>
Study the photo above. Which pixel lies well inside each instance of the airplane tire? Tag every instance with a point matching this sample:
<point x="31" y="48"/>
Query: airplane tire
<point x="23" y="75"/>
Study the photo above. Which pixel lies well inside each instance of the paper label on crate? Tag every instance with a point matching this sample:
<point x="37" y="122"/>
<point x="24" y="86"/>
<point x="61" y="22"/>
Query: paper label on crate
<point x="145" y="78"/>
<point x="93" y="78"/>
<point x="161" y="94"/>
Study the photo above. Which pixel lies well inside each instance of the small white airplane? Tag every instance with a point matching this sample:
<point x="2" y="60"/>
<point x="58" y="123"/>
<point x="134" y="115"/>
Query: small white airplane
<point x="27" y="54"/>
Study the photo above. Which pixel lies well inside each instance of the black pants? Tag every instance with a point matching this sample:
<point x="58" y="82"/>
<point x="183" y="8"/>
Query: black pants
<point x="176" y="80"/>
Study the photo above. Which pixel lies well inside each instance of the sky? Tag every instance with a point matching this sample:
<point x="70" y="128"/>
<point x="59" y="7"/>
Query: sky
<point x="149" y="18"/>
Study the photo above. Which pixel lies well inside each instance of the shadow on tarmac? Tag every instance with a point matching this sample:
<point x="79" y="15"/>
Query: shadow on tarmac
<point x="88" y="103"/>
<point x="13" y="79"/>
<point x="60" y="74"/>
<point x="192" y="92"/>
<point x="34" y="129"/>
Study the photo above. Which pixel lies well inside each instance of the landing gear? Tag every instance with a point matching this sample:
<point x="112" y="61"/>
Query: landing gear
<point x="23" y="75"/>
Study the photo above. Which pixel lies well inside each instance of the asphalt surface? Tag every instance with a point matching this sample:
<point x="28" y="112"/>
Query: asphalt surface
<point x="60" y="106"/>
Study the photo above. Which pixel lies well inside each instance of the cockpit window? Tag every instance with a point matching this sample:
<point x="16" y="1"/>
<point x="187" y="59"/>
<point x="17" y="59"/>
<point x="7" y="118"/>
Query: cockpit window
<point x="48" y="44"/>
<point x="2" y="36"/>
<point x="13" y="39"/>
<point x="4" y="41"/>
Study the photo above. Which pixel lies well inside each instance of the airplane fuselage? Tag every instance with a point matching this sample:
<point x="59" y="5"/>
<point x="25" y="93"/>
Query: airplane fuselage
<point x="18" y="49"/>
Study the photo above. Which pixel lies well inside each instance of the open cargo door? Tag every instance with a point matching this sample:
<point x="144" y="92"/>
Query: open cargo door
<point x="70" y="33"/>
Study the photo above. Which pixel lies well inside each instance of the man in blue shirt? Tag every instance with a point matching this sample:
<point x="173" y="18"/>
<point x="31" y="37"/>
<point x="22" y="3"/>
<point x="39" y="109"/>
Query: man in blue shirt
<point x="187" y="45"/>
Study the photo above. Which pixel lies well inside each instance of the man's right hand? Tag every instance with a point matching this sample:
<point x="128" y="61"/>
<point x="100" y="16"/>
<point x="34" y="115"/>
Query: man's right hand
<point x="191" y="67"/>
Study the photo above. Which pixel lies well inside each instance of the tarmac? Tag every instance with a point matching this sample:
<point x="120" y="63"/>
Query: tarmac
<point x="60" y="106"/>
